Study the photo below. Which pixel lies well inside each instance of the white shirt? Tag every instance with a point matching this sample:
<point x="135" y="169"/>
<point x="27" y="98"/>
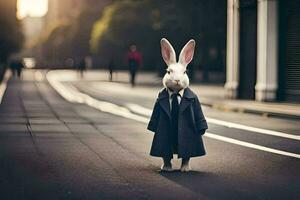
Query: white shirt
<point x="178" y="97"/>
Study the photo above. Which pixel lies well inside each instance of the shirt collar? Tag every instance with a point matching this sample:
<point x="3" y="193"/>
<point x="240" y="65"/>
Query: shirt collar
<point x="187" y="93"/>
<point x="180" y="92"/>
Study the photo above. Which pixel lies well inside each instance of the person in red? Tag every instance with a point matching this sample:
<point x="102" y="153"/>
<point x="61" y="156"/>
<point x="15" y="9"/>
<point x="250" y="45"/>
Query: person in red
<point x="134" y="60"/>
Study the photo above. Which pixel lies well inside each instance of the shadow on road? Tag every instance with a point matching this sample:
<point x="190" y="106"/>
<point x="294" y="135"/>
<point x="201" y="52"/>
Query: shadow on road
<point x="207" y="184"/>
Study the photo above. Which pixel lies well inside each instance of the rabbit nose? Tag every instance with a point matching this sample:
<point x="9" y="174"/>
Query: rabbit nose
<point x="177" y="81"/>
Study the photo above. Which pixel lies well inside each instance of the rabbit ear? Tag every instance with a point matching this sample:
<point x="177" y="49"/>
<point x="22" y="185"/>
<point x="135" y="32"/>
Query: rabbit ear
<point x="187" y="53"/>
<point x="167" y="52"/>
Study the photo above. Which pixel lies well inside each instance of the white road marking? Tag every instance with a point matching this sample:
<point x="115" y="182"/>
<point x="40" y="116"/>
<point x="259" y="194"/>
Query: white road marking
<point x="250" y="145"/>
<point x="147" y="112"/>
<point x="252" y="129"/>
<point x="3" y="85"/>
<point x="70" y="93"/>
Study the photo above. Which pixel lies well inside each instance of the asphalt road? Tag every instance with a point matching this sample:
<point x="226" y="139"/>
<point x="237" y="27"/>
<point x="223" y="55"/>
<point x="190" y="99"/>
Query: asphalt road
<point x="51" y="148"/>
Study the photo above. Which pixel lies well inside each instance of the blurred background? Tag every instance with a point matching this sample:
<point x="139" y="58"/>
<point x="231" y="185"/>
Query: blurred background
<point x="60" y="33"/>
<point x="73" y="127"/>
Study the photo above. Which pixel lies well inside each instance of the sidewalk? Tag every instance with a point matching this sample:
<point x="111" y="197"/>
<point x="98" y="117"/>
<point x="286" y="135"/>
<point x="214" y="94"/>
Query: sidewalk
<point x="210" y="95"/>
<point x="274" y="109"/>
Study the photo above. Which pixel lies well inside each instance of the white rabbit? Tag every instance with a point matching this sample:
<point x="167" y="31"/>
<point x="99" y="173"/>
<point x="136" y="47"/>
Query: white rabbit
<point x="179" y="129"/>
<point x="176" y="77"/>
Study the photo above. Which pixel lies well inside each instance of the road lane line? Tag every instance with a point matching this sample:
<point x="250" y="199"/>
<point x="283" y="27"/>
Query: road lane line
<point x="3" y="85"/>
<point x="147" y="112"/>
<point x="72" y="94"/>
<point x="250" y="145"/>
<point x="253" y="129"/>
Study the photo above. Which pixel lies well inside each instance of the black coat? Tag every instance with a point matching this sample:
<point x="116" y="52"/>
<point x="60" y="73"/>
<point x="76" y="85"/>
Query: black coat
<point x="191" y="126"/>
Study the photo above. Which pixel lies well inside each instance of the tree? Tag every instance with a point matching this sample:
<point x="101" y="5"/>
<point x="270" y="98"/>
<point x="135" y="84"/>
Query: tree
<point x="145" y="22"/>
<point x="69" y="38"/>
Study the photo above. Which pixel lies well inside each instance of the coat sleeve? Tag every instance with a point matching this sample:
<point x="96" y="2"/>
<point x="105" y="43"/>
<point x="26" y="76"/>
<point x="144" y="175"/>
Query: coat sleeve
<point x="200" y="122"/>
<point x="153" y="123"/>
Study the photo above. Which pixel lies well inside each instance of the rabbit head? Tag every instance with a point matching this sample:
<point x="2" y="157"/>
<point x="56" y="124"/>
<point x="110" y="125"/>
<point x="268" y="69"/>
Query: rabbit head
<point x="176" y="77"/>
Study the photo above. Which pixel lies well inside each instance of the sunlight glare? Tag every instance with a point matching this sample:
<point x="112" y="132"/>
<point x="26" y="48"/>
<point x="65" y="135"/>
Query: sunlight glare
<point x="32" y="8"/>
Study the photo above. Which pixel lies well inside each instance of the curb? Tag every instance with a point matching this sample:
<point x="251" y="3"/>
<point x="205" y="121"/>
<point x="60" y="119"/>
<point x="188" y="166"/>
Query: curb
<point x="3" y="84"/>
<point x="264" y="113"/>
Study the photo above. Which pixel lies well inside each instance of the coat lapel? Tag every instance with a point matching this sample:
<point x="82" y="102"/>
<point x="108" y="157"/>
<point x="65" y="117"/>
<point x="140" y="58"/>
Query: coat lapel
<point x="184" y="104"/>
<point x="163" y="98"/>
<point x="186" y="100"/>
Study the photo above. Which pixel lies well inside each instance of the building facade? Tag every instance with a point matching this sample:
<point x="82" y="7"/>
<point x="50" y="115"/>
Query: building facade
<point x="263" y="50"/>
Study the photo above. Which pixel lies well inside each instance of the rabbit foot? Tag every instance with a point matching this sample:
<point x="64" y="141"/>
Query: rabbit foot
<point x="185" y="166"/>
<point x="167" y="167"/>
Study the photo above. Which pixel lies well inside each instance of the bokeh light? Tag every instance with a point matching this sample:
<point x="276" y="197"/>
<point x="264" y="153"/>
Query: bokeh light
<point x="31" y="8"/>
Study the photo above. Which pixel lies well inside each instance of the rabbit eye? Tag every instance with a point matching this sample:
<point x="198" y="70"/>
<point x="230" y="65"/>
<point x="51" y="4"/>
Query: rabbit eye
<point x="185" y="72"/>
<point x="168" y="72"/>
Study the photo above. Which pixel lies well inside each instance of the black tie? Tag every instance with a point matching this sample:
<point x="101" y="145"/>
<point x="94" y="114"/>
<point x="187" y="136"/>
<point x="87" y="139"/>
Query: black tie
<point x="174" y="128"/>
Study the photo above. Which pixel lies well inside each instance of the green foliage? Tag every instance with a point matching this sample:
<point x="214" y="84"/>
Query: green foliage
<point x="100" y="27"/>
<point x="57" y="43"/>
<point x="123" y="23"/>
<point x="69" y="38"/>
<point x="145" y="22"/>
<point x="107" y="33"/>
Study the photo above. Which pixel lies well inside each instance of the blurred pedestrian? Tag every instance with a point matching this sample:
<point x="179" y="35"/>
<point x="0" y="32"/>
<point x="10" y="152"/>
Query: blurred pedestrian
<point x="134" y="60"/>
<point x="16" y="65"/>
<point x="82" y="67"/>
<point x="111" y="67"/>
